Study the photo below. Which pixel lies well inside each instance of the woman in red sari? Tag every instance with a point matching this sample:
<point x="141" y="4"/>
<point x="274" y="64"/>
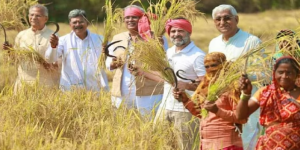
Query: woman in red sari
<point x="279" y="104"/>
<point x="220" y="129"/>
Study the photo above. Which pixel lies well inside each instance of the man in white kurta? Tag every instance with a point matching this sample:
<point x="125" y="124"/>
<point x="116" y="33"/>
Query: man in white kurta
<point x="80" y="51"/>
<point x="234" y="42"/>
<point x="36" y="38"/>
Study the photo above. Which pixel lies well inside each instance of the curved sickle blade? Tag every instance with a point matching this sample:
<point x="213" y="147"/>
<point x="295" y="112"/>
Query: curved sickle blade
<point x="106" y="48"/>
<point x="175" y="78"/>
<point x="119" y="47"/>
<point x="57" y="26"/>
<point x="177" y="73"/>
<point x="5" y="39"/>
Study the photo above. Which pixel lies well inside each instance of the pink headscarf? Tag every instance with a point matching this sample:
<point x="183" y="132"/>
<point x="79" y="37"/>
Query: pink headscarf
<point x="144" y="22"/>
<point x="179" y="23"/>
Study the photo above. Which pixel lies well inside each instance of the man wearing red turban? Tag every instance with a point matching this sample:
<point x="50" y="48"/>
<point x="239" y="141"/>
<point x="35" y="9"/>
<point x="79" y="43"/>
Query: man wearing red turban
<point x="186" y="56"/>
<point x="126" y="88"/>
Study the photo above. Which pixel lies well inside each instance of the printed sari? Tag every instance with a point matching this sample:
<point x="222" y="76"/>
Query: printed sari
<point x="280" y="115"/>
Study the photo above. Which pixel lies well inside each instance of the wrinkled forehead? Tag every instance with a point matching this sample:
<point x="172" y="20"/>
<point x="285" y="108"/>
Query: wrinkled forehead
<point x="222" y="13"/>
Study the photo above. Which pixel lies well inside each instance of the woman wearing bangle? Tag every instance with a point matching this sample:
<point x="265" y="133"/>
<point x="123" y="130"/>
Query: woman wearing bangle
<point x="219" y="130"/>
<point x="280" y="107"/>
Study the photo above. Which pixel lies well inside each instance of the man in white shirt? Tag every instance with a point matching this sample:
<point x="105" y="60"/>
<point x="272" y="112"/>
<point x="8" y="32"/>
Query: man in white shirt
<point x="37" y="38"/>
<point x="234" y="42"/>
<point x="186" y="56"/>
<point x="80" y="51"/>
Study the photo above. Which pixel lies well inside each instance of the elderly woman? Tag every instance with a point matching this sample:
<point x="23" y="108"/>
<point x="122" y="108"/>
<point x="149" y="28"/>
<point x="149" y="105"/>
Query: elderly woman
<point x="218" y="129"/>
<point x="279" y="104"/>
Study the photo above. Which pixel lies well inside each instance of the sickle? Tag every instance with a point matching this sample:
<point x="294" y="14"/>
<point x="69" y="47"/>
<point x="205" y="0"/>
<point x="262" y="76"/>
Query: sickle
<point x="119" y="47"/>
<point x="5" y="39"/>
<point x="176" y="83"/>
<point x="177" y="73"/>
<point x="106" y="48"/>
<point x="57" y="26"/>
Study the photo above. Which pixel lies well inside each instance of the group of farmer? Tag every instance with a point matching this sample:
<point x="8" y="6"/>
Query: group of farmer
<point x="72" y="63"/>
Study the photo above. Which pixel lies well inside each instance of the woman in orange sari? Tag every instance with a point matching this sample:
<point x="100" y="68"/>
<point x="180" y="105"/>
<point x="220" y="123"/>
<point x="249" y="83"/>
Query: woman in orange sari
<point x="279" y="105"/>
<point x="220" y="130"/>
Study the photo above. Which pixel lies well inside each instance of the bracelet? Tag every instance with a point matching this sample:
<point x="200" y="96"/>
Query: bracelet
<point x="245" y="97"/>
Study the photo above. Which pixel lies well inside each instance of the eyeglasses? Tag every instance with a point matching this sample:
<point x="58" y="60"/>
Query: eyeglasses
<point x="211" y="66"/>
<point x="225" y="18"/>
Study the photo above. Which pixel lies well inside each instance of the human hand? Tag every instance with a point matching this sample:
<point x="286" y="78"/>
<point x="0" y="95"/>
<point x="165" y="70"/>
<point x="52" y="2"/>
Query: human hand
<point x="6" y="46"/>
<point x="116" y="63"/>
<point x="245" y="84"/>
<point x="135" y="70"/>
<point x="211" y="106"/>
<point x="53" y="41"/>
<point x="103" y="49"/>
<point x="180" y="95"/>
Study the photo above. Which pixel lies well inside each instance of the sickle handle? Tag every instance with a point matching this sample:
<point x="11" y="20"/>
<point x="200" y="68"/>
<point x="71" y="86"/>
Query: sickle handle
<point x="4" y="31"/>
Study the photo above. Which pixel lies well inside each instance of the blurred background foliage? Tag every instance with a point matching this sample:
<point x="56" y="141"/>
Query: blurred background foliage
<point x="59" y="9"/>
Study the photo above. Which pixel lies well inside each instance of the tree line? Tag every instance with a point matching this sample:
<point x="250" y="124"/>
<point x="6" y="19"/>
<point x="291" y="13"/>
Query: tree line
<point x="59" y="9"/>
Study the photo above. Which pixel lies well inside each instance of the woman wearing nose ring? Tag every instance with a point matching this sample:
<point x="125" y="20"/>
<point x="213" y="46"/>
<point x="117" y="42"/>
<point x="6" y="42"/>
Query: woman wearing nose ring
<point x="218" y="130"/>
<point x="279" y="104"/>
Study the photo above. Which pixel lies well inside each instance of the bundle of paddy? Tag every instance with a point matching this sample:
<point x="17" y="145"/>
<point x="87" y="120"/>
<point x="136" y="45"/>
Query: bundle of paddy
<point x="151" y="55"/>
<point x="288" y="45"/>
<point x="112" y="22"/>
<point x="255" y="66"/>
<point x="26" y="55"/>
<point x="13" y="12"/>
<point x="177" y="8"/>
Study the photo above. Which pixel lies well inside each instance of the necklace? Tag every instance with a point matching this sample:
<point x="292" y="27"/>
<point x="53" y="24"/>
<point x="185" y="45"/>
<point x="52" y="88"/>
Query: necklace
<point x="288" y="91"/>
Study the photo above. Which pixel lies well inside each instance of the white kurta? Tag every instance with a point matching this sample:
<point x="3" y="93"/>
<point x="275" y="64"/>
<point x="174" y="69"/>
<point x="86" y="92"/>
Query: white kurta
<point x="79" y="62"/>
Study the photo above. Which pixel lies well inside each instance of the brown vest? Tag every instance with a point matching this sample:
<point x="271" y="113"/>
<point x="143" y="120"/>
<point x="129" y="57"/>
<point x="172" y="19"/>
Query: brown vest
<point x="144" y="87"/>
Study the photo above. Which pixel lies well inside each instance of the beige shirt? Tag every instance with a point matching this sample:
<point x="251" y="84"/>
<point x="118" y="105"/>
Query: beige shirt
<point x="144" y="87"/>
<point x="28" y="71"/>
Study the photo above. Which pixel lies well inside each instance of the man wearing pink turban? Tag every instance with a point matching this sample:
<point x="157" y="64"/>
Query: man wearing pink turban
<point x="186" y="56"/>
<point x="126" y="88"/>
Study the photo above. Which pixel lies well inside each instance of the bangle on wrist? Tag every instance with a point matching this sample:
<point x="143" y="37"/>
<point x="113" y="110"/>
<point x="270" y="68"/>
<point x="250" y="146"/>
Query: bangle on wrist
<point x="245" y="97"/>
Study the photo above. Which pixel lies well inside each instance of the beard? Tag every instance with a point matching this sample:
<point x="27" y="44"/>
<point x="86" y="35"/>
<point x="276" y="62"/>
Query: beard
<point x="183" y="40"/>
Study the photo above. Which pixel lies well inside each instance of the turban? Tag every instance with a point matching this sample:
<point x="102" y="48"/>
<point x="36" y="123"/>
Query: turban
<point x="132" y="11"/>
<point x="179" y="23"/>
<point x="144" y="22"/>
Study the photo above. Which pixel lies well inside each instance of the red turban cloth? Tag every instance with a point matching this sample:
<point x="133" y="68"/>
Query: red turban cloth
<point x="144" y="22"/>
<point x="133" y="11"/>
<point x="179" y="23"/>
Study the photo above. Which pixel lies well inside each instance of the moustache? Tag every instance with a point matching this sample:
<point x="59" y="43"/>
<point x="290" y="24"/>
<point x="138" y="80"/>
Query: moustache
<point x="178" y="37"/>
<point x="78" y="27"/>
